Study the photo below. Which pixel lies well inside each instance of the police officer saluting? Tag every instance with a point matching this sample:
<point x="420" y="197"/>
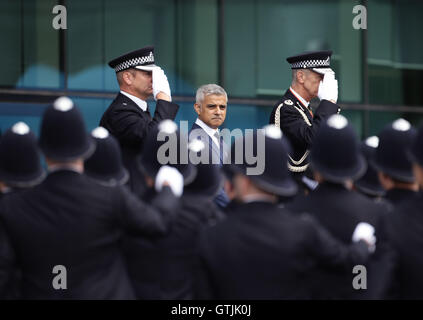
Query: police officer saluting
<point x="311" y="77"/>
<point x="128" y="117"/>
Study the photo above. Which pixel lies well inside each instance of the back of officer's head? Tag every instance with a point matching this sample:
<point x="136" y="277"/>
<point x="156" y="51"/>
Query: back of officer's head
<point x="20" y="165"/>
<point x="63" y="137"/>
<point x="105" y="165"/>
<point x="261" y="156"/>
<point x="335" y="153"/>
<point x="393" y="151"/>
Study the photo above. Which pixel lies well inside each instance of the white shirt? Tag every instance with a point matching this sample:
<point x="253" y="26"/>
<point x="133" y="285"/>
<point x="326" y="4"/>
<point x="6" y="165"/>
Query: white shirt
<point x="140" y="103"/>
<point x="211" y="132"/>
<point x="303" y="101"/>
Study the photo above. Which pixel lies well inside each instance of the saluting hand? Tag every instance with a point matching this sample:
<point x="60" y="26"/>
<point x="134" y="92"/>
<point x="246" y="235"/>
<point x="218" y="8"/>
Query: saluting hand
<point x="161" y="88"/>
<point x="328" y="88"/>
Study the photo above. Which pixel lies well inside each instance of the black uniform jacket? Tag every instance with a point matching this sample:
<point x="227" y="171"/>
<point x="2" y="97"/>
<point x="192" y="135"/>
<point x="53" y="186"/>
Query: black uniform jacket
<point x="129" y="124"/>
<point x="71" y="221"/>
<point x="163" y="268"/>
<point x="299" y="125"/>
<point x="261" y="251"/>
<point x="339" y="210"/>
<point x="397" y="196"/>
<point x="406" y="234"/>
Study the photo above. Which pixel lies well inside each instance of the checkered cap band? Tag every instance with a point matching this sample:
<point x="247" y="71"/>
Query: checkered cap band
<point x="135" y="62"/>
<point x="311" y="64"/>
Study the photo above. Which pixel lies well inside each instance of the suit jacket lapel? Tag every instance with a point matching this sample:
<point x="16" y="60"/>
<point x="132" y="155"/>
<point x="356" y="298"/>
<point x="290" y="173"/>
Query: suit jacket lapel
<point x="213" y="148"/>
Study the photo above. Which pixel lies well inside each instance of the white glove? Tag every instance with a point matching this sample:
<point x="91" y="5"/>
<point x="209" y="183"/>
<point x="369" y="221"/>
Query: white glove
<point x="365" y="231"/>
<point x="160" y="83"/>
<point x="172" y="177"/>
<point x="328" y="88"/>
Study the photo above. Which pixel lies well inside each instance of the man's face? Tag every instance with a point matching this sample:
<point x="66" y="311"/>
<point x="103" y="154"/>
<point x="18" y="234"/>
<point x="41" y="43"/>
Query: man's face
<point x="142" y="83"/>
<point x="212" y="111"/>
<point x="311" y="82"/>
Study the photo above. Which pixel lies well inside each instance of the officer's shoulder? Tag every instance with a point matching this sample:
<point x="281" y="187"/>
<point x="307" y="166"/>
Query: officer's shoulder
<point x="285" y="102"/>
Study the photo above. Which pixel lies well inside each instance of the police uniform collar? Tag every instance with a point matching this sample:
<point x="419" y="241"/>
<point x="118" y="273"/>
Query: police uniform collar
<point x="301" y="99"/>
<point x="139" y="102"/>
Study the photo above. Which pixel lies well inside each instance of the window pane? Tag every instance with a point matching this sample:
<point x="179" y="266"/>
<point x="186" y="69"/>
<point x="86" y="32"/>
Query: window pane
<point x="260" y="35"/>
<point x="31" y="56"/>
<point x="394" y="58"/>
<point x="184" y="34"/>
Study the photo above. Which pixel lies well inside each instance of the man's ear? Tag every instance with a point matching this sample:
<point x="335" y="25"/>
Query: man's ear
<point x="418" y="173"/>
<point x="127" y="78"/>
<point x="197" y="108"/>
<point x="301" y="76"/>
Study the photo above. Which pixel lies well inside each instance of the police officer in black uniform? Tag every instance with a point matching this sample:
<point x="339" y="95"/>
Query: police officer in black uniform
<point x="311" y="77"/>
<point x="20" y="169"/>
<point x="197" y="212"/>
<point x="128" y="117"/>
<point x="144" y="256"/>
<point x="406" y="225"/>
<point x="393" y="164"/>
<point x="369" y="183"/>
<point x="336" y="161"/>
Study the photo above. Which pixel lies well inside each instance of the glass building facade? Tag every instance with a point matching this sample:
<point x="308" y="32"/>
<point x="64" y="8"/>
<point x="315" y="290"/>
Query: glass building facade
<point x="239" y="44"/>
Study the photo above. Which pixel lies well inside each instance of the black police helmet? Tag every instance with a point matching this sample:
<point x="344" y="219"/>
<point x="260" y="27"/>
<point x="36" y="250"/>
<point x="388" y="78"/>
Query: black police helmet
<point x="63" y="136"/>
<point x="105" y="164"/>
<point x="20" y="164"/>
<point x="335" y="151"/>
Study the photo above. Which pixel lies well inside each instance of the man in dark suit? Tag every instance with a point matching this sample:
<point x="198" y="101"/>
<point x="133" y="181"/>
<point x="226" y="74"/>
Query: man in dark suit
<point x="337" y="162"/>
<point x="70" y="224"/>
<point x="261" y="251"/>
<point x="311" y="77"/>
<point x="128" y="117"/>
<point x="210" y="105"/>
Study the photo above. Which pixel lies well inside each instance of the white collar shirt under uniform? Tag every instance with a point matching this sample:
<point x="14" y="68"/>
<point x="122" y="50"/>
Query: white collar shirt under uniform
<point x="303" y="101"/>
<point x="139" y="102"/>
